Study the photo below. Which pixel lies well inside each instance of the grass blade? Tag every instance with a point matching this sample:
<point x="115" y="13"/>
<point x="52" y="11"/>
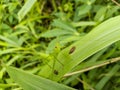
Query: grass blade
<point x="25" y="9"/>
<point x="32" y="82"/>
<point x="100" y="37"/>
<point x="105" y="79"/>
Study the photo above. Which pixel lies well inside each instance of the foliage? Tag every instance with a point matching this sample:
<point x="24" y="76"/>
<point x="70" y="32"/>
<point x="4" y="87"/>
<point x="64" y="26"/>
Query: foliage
<point x="31" y="82"/>
<point x="54" y="38"/>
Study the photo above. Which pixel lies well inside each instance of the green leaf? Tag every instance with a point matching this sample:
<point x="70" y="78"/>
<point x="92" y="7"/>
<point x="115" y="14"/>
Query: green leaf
<point x="63" y="25"/>
<point x="83" y="23"/>
<point x="55" y="33"/>
<point x="25" y="9"/>
<point x="81" y="11"/>
<point x="111" y="11"/>
<point x="12" y="41"/>
<point x="84" y="9"/>
<point x="32" y="82"/>
<point x="105" y="79"/>
<point x="100" y="14"/>
<point x="100" y="37"/>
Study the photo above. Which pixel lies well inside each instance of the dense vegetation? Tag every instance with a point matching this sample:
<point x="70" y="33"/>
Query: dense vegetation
<point x="59" y="45"/>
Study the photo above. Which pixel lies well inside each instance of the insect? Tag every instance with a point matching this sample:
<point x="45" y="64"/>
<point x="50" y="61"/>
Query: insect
<point x="56" y="72"/>
<point x="72" y="49"/>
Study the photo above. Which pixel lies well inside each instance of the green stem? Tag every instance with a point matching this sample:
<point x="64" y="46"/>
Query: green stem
<point x="54" y="5"/>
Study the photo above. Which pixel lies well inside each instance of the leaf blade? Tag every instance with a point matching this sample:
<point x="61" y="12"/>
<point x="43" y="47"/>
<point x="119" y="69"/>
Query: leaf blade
<point x="32" y="82"/>
<point x="100" y="37"/>
<point x="25" y="9"/>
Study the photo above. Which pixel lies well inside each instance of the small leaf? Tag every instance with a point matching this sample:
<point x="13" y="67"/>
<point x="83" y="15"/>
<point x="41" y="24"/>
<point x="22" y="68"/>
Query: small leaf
<point x="11" y="41"/>
<point x="63" y="25"/>
<point x="81" y="11"/>
<point x="25" y="9"/>
<point x="55" y="32"/>
<point x="100" y="14"/>
<point x="84" y="9"/>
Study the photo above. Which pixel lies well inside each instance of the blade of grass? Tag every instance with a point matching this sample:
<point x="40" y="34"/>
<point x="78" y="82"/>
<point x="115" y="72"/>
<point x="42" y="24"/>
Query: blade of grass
<point x="32" y="82"/>
<point x="11" y="42"/>
<point x="105" y="79"/>
<point x="100" y="37"/>
<point x="25" y="9"/>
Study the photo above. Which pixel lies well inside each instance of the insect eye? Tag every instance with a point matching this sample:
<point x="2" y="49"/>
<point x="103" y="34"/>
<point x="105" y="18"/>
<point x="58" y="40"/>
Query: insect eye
<point x="72" y="49"/>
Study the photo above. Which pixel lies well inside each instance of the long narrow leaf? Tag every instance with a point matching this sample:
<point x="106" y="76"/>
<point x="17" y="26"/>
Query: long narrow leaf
<point x="32" y="82"/>
<point x="105" y="79"/>
<point x="100" y="37"/>
<point x="25" y="9"/>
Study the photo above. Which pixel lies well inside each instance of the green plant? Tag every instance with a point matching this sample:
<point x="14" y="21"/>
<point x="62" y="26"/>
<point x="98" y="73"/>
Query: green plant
<point x="100" y="38"/>
<point x="63" y="41"/>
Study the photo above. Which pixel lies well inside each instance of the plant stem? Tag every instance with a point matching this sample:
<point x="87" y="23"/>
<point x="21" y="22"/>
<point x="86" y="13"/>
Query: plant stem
<point x="54" y="5"/>
<point x="93" y="67"/>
